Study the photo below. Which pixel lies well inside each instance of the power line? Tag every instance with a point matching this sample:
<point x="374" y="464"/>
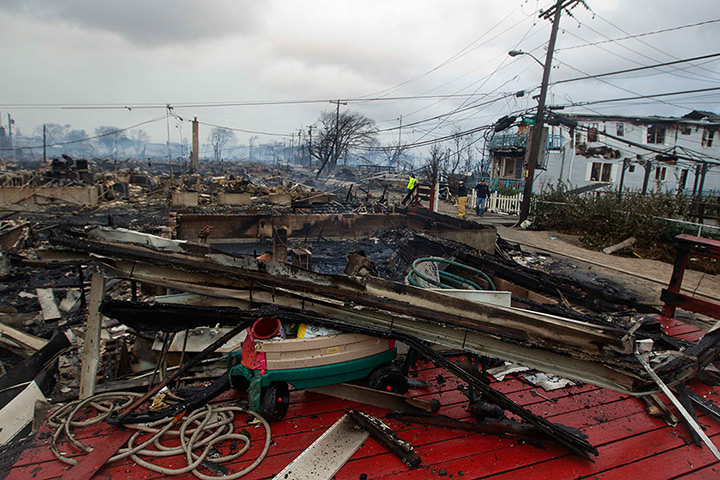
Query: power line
<point x="655" y="32"/>
<point x="106" y="134"/>
<point x="622" y="99"/>
<point x="636" y="69"/>
<point x="110" y="106"/>
<point x="675" y="71"/>
<point x="246" y="131"/>
<point x="664" y="52"/>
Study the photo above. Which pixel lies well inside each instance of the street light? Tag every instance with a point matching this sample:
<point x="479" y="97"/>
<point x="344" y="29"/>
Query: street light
<point x="536" y="133"/>
<point x="515" y="53"/>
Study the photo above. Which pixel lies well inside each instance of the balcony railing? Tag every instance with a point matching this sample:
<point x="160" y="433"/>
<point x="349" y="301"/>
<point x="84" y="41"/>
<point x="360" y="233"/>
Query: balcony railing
<point x="503" y="183"/>
<point x="507" y="142"/>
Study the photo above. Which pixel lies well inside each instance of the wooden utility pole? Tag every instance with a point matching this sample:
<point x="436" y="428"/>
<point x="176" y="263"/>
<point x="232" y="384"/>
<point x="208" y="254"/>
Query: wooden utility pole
<point x="44" y="143"/>
<point x="537" y="129"/>
<point x="195" y="156"/>
<point x="310" y="148"/>
<point x="10" y="123"/>
<point x="397" y="160"/>
<point x="336" y="152"/>
<point x="646" y="179"/>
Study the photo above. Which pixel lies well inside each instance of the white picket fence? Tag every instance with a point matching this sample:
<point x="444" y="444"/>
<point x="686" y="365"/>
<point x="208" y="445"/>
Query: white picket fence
<point x="509" y="205"/>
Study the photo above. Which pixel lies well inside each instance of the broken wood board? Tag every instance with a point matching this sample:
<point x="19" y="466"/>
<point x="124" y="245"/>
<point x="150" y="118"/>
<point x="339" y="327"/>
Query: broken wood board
<point x="377" y="398"/>
<point x="619" y="246"/>
<point x="22" y="338"/>
<point x="327" y="454"/>
<point x="88" y="465"/>
<point x="589" y="352"/>
<point x="18" y="414"/>
<point x="50" y="310"/>
<point x="71" y="299"/>
<point x="199" y="338"/>
<point x="31" y="368"/>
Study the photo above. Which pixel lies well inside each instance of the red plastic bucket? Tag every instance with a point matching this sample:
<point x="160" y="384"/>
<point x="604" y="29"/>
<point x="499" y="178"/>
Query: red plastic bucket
<point x="266" y="327"/>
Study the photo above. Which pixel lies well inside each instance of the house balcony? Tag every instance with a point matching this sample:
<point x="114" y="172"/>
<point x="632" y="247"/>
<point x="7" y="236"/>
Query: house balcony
<point x="520" y="142"/>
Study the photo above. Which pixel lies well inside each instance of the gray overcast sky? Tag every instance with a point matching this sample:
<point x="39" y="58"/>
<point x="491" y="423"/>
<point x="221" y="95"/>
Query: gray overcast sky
<point x="134" y="52"/>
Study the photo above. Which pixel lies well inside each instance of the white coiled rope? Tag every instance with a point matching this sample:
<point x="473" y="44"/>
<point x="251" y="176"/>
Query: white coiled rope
<point x="202" y="429"/>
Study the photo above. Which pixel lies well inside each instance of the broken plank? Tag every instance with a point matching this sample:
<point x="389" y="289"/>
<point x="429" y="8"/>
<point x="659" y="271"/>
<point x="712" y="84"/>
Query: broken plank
<point x="327" y="454"/>
<point x="28" y="369"/>
<point x="50" y="310"/>
<point x="619" y="246"/>
<point x="25" y="339"/>
<point x="376" y="398"/>
<point x="383" y="434"/>
<point x="71" y="299"/>
<point x="94" y="461"/>
<point x="18" y="414"/>
<point x="91" y="346"/>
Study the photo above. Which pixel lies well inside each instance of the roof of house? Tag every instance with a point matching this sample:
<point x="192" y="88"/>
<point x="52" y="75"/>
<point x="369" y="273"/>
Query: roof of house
<point x="696" y="117"/>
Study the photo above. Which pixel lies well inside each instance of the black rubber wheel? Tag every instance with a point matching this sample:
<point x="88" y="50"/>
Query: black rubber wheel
<point x="274" y="401"/>
<point x="388" y="379"/>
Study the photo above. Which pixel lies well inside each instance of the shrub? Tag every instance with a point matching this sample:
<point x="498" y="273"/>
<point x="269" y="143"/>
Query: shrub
<point x="606" y="218"/>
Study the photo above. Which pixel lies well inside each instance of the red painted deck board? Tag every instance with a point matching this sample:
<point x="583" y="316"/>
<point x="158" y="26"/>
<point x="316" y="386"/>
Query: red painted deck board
<point x="630" y="442"/>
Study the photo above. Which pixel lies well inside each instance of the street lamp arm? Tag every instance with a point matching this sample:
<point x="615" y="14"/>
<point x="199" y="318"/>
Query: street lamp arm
<point x="515" y="53"/>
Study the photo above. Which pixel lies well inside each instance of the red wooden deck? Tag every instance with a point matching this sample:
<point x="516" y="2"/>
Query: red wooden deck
<point x="631" y="443"/>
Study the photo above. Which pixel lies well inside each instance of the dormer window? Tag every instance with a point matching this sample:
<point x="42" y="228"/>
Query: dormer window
<point x="656" y="134"/>
<point x="708" y="137"/>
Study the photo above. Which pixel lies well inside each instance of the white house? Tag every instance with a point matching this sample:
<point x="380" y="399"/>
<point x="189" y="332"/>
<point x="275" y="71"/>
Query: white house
<point x="657" y="153"/>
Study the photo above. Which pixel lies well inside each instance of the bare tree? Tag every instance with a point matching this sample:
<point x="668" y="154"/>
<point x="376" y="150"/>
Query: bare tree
<point x="219" y="138"/>
<point x="462" y="157"/>
<point x="54" y="132"/>
<point x="140" y="139"/>
<point x="109" y="138"/>
<point x="434" y="166"/>
<point x="339" y="135"/>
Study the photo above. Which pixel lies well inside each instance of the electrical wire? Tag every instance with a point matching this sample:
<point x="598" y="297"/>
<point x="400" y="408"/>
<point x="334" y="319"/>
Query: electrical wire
<point x="637" y="35"/>
<point x="106" y="134"/>
<point x="635" y="69"/>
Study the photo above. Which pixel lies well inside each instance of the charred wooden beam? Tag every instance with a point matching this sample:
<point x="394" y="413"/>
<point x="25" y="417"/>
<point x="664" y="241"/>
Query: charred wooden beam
<point x="383" y="434"/>
<point x="498" y="428"/>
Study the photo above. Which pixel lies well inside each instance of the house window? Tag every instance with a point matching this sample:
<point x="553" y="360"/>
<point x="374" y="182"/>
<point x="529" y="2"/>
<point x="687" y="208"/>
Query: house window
<point x="685" y="130"/>
<point x="631" y="169"/>
<point x="600" y="172"/>
<point x="620" y="129"/>
<point x="707" y="138"/>
<point x="656" y="134"/>
<point x="660" y="173"/>
<point x="578" y="138"/>
<point x="592" y="132"/>
<point x="682" y="181"/>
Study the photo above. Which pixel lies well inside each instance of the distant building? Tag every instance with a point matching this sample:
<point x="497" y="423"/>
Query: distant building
<point x="637" y="152"/>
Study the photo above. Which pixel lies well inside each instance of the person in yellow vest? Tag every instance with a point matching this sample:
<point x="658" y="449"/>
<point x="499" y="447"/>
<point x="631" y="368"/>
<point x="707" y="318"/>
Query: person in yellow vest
<point x="411" y="187"/>
<point x="462" y="198"/>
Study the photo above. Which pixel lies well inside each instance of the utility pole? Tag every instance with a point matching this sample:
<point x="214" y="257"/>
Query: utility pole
<point x="399" y="142"/>
<point x="536" y="137"/>
<point x="310" y="148"/>
<point x="195" y="156"/>
<point x="10" y="124"/>
<point x="336" y="153"/>
<point x="300" y="155"/>
<point x="44" y="143"/>
<point x="167" y="121"/>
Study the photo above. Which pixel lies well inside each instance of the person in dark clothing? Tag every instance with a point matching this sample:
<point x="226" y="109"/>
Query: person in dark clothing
<point x="483" y="192"/>
<point x="462" y="198"/>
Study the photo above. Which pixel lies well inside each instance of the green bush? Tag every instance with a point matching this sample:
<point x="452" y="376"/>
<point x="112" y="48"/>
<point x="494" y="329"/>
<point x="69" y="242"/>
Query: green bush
<point x="507" y="191"/>
<point x="605" y="218"/>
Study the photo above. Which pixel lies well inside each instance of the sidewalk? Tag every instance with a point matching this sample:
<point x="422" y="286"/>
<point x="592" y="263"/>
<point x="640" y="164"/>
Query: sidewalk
<point x="642" y="276"/>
